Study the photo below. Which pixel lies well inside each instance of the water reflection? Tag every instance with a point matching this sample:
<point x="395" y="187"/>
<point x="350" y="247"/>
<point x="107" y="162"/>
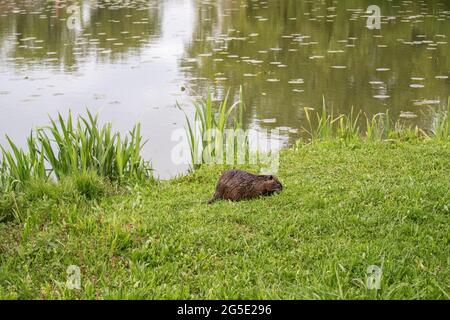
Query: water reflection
<point x="130" y="59"/>
<point x="66" y="34"/>
<point x="290" y="54"/>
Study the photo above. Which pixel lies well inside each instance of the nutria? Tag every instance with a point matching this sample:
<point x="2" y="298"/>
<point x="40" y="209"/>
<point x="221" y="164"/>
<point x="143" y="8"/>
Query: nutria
<point x="236" y="185"/>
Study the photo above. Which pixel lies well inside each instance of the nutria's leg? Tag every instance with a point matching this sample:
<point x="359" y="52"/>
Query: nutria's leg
<point x="214" y="199"/>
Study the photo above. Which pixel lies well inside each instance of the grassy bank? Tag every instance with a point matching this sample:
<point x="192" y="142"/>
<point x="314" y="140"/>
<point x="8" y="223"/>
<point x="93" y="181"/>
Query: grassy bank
<point x="345" y="206"/>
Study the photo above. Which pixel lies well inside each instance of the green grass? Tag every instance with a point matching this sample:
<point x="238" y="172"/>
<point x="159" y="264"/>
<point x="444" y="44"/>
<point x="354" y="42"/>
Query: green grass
<point x="345" y="206"/>
<point x="80" y="195"/>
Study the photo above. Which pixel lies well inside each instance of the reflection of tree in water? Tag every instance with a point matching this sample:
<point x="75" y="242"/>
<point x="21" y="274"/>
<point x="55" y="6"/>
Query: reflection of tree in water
<point x="311" y="46"/>
<point x="36" y="31"/>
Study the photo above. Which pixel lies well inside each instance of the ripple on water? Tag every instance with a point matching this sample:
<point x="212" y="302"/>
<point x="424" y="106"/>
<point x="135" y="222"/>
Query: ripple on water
<point x="407" y="115"/>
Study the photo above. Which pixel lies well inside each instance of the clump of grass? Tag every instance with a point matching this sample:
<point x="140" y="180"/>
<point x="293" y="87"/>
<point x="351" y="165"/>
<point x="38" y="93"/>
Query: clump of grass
<point x="208" y="133"/>
<point x="379" y="127"/>
<point x="8" y="206"/>
<point x="67" y="147"/>
<point x="324" y="127"/>
<point x="79" y="187"/>
<point x="441" y="123"/>
<point x="89" y="185"/>
<point x="348" y="126"/>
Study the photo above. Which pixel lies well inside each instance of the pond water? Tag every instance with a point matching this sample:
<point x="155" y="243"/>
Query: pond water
<point x="131" y="61"/>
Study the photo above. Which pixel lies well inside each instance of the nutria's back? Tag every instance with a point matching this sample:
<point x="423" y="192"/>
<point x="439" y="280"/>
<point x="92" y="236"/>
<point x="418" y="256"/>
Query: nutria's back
<point x="236" y="185"/>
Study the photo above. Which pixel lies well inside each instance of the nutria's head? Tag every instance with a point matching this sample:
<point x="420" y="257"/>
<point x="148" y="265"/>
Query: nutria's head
<point x="271" y="184"/>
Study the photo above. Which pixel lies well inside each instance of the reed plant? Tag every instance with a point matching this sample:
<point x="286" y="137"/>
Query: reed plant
<point x="209" y="132"/>
<point x="441" y="123"/>
<point x="324" y="126"/>
<point x="378" y="127"/>
<point x="346" y="127"/>
<point x="68" y="146"/>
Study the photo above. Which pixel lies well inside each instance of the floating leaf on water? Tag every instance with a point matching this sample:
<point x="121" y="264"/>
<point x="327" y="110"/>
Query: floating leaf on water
<point x="28" y="39"/>
<point x="254" y="61"/>
<point x="381" y="96"/>
<point x="296" y="81"/>
<point x="427" y="102"/>
<point x="408" y="115"/>
<point x="339" y="67"/>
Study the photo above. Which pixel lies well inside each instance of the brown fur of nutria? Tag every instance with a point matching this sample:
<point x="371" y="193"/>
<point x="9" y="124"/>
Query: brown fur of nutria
<point x="236" y="185"/>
